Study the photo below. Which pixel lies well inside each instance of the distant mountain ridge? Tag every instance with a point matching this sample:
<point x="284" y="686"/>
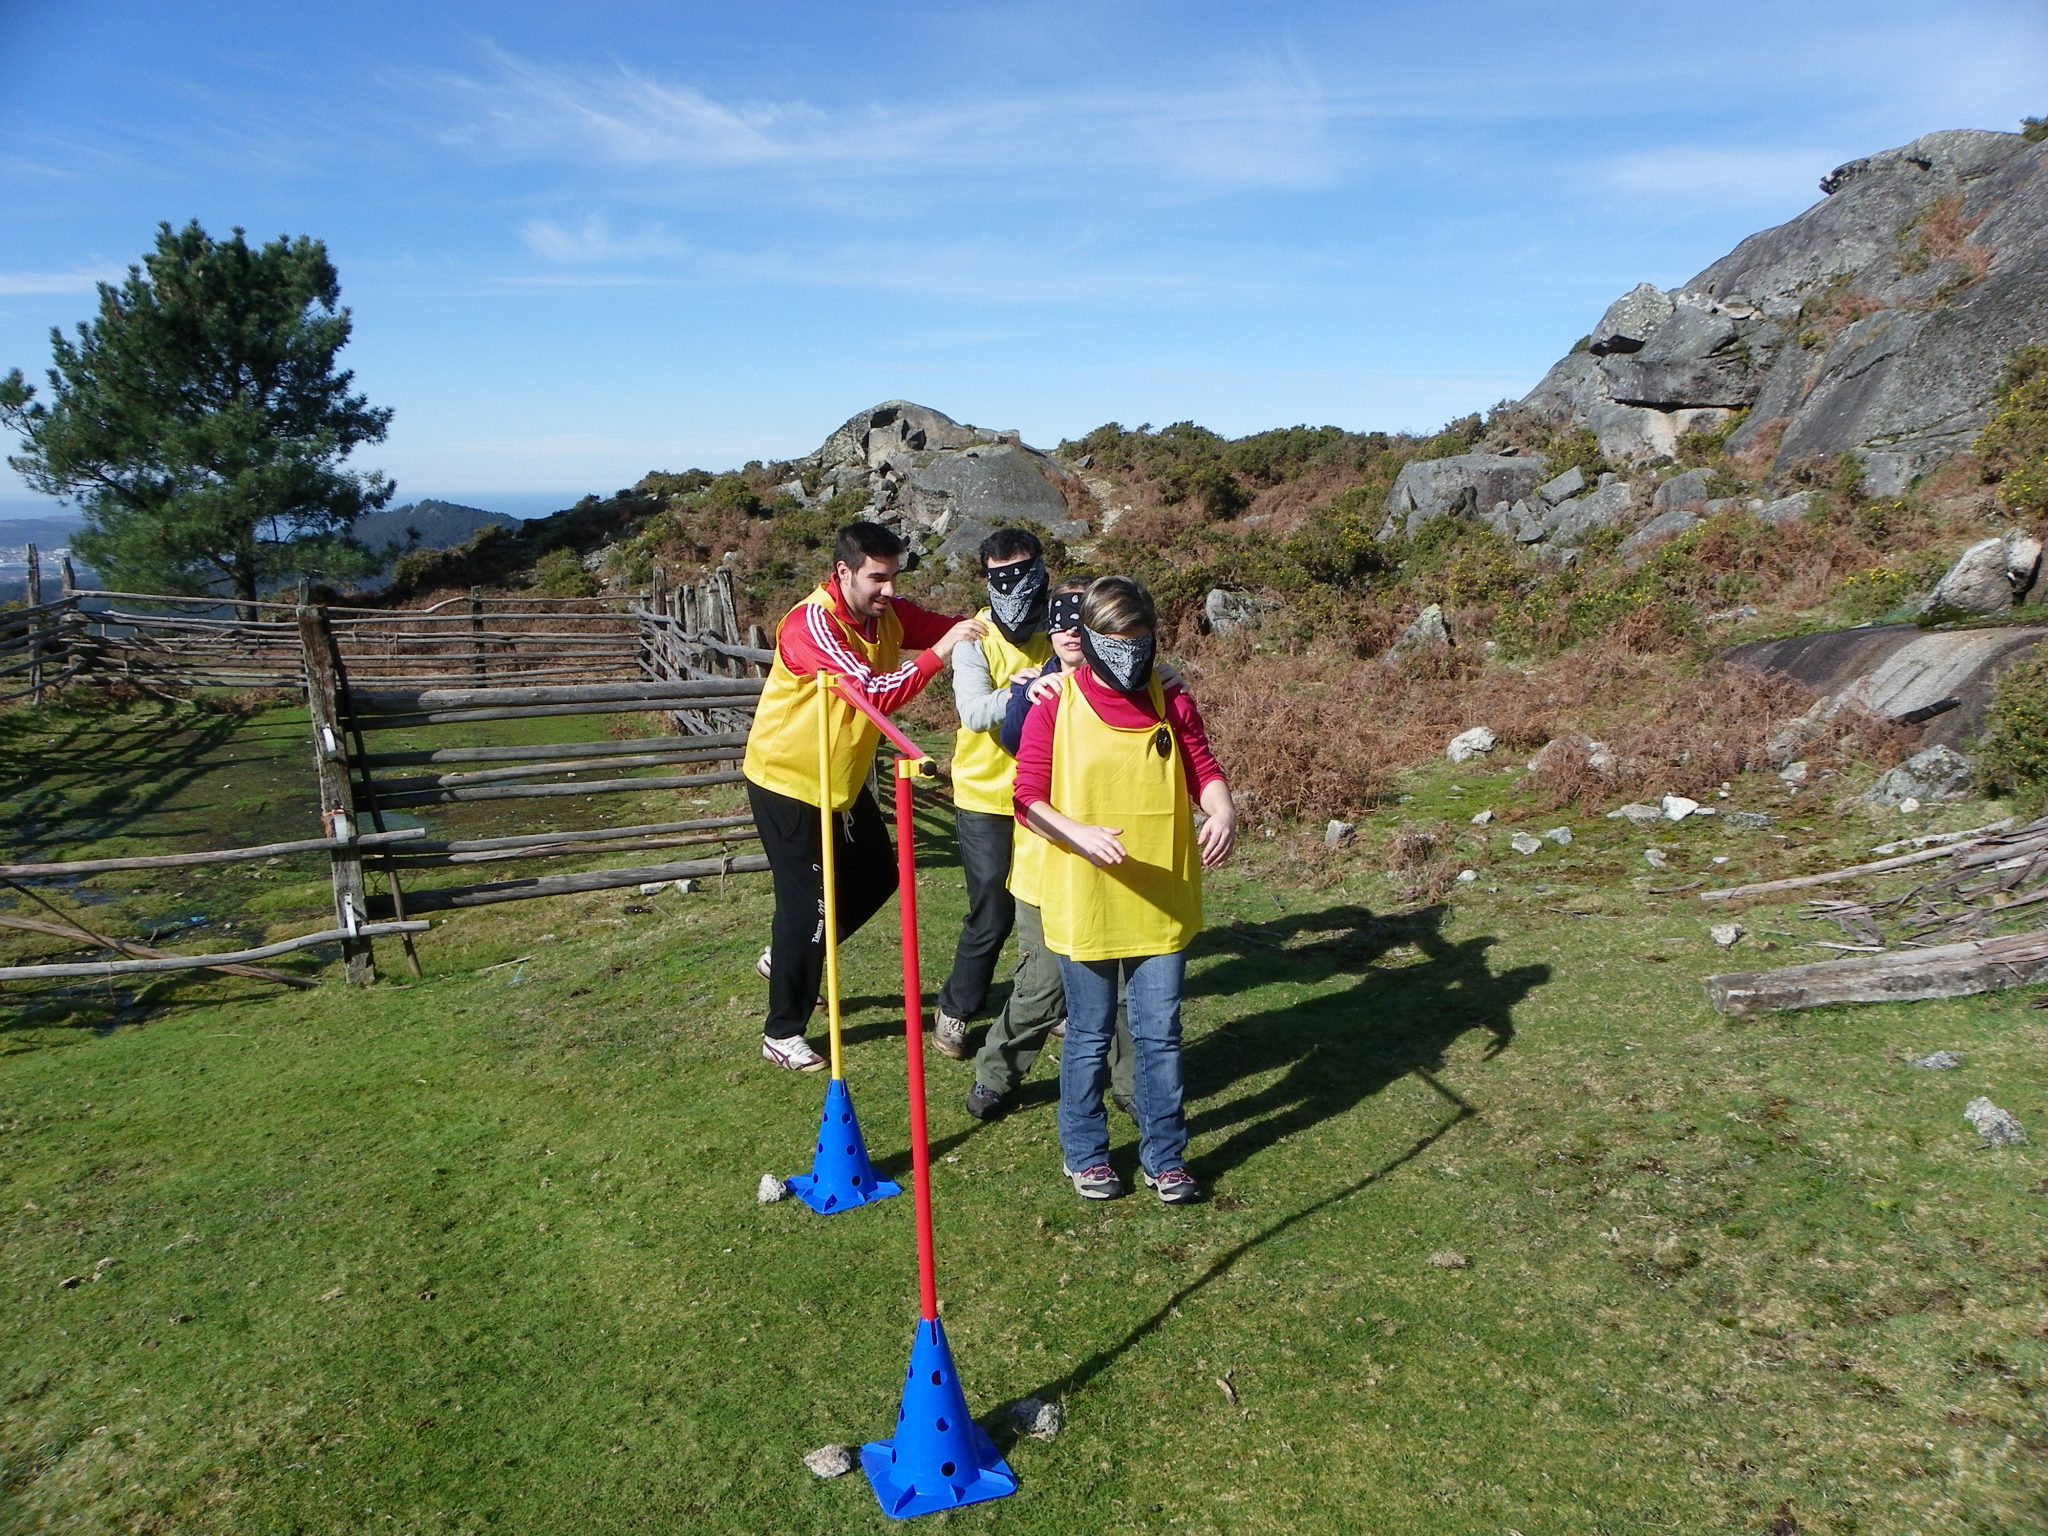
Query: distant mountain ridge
<point x="436" y="524"/>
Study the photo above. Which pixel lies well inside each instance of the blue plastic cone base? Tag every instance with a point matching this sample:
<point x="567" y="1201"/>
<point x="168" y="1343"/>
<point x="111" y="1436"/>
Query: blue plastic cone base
<point x="940" y="1458"/>
<point x="841" y="1177"/>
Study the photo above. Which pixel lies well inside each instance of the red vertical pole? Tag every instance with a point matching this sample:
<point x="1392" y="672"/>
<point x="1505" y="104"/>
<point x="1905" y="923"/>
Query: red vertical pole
<point x="913" y="1024"/>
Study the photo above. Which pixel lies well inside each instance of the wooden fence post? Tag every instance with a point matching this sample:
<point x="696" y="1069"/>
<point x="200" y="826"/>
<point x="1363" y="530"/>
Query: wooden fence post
<point x="36" y="628"/>
<point x="476" y="629"/>
<point x="337" y="803"/>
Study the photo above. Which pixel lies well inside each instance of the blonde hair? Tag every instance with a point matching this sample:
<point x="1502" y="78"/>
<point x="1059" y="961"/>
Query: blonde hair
<point x="1117" y="605"/>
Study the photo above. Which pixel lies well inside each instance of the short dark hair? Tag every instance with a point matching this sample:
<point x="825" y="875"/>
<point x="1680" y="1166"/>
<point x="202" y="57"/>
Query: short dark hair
<point x="1009" y="543"/>
<point x="864" y="541"/>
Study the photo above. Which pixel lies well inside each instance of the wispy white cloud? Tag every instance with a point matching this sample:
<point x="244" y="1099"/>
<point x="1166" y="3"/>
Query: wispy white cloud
<point x="1264" y="125"/>
<point x="82" y="280"/>
<point x="1742" y="177"/>
<point x="594" y="240"/>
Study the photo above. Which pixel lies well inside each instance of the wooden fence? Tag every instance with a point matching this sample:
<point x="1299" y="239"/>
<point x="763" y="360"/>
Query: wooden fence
<point x="486" y="658"/>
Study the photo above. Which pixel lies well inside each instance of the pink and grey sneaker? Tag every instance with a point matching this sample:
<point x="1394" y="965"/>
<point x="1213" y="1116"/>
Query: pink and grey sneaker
<point x="792" y="1052"/>
<point x="1097" y="1182"/>
<point x="1176" y="1186"/>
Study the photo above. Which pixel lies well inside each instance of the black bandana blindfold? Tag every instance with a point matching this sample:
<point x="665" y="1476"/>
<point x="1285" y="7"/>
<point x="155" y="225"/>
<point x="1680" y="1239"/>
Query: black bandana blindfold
<point x="1016" y="599"/>
<point x="1122" y="661"/>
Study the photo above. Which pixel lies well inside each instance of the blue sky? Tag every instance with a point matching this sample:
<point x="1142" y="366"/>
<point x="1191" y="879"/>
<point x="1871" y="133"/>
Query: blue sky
<point x="581" y="243"/>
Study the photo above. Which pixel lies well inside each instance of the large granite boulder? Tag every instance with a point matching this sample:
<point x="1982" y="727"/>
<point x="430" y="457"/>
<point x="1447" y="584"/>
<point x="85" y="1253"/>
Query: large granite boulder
<point x="1458" y="487"/>
<point x="1941" y="677"/>
<point x="1878" y="322"/>
<point x="945" y="485"/>
<point x="1990" y="577"/>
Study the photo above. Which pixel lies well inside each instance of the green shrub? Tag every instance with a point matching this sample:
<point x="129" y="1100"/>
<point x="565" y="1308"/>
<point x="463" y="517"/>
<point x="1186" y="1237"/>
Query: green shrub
<point x="2014" y="756"/>
<point x="2014" y="442"/>
<point x="1577" y="449"/>
<point x="560" y="573"/>
<point x="2034" y="129"/>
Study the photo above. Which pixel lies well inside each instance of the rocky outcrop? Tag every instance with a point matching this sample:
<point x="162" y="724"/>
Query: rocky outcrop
<point x="1941" y="678"/>
<point x="1877" y="322"/>
<point x="1460" y="486"/>
<point x="1990" y="577"/>
<point x="944" y="485"/>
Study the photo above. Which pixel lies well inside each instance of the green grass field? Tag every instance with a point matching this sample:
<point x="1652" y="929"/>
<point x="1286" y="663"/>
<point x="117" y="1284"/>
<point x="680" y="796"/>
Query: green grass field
<point x="1508" y="1231"/>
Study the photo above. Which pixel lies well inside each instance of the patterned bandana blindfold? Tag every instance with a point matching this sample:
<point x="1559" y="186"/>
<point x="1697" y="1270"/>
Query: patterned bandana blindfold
<point x="1016" y="597"/>
<point x="1122" y="661"/>
<point x="1063" y="613"/>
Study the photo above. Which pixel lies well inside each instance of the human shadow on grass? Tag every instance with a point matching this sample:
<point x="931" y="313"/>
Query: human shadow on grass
<point x="1339" y="1047"/>
<point x="1064" y="1388"/>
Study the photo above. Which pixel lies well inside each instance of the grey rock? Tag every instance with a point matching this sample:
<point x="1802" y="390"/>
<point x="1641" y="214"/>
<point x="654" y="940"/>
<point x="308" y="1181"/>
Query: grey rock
<point x="1702" y="354"/>
<point x="1666" y="525"/>
<point x="1571" y="522"/>
<point x="1748" y="821"/>
<point x="1559" y="749"/>
<point x="1467" y="745"/>
<point x="771" y="1190"/>
<point x="1570" y="483"/>
<point x="1933" y="773"/>
<point x="1937" y="1061"/>
<point x="1681" y="491"/>
<point x="1482" y="818"/>
<point x="831" y="1460"/>
<point x="1638" y="815"/>
<point x="1655" y="858"/>
<point x="1340" y="834"/>
<point x="1905" y="385"/>
<point x="1524" y="844"/>
<point x="1740" y="615"/>
<point x="1895" y="670"/>
<point x="1787" y="509"/>
<point x="1040" y="1420"/>
<point x="1428" y="631"/>
<point x="1990" y="577"/>
<point x="1794" y="774"/>
<point x="1630" y="321"/>
<point x="1994" y="1125"/>
<point x="1678" y="807"/>
<point x="944" y="485"/>
<point x="1457" y="486"/>
<point x="1726" y="935"/>
<point x="1562" y="836"/>
<point x="1467" y="876"/>
<point x="1225" y="613"/>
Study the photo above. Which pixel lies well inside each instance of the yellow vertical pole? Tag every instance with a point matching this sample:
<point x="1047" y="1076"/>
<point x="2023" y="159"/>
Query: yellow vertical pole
<point x="827" y="866"/>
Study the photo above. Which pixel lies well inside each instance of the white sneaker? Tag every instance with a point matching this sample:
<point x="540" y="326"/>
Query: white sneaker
<point x="792" y="1052"/>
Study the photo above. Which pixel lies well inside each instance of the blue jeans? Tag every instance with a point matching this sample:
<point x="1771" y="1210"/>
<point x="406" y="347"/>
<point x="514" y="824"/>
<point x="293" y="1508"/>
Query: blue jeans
<point x="1152" y="1002"/>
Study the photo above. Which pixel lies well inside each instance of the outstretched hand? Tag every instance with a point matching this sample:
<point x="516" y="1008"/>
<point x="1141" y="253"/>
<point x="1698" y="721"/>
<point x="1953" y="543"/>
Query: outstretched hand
<point x="1101" y="846"/>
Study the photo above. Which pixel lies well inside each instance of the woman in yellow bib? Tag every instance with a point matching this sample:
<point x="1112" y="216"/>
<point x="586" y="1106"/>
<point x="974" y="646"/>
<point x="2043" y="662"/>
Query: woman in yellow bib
<point x="1106" y="773"/>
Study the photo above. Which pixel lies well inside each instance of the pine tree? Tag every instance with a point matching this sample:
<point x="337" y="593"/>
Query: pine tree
<point x="200" y="424"/>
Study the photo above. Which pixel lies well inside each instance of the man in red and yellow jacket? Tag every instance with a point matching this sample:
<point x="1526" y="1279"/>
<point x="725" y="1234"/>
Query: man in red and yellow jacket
<point x="853" y="625"/>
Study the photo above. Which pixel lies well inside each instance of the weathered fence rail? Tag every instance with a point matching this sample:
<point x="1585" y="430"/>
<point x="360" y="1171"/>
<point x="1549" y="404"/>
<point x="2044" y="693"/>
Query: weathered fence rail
<point x="467" y="661"/>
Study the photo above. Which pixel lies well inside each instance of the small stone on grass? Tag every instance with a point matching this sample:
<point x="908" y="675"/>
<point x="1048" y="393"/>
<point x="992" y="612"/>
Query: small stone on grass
<point x="831" y="1460"/>
<point x="1998" y="1128"/>
<point x="1446" y="1258"/>
<point x="772" y="1189"/>
<point x="1937" y="1061"/>
<point x="1040" y="1420"/>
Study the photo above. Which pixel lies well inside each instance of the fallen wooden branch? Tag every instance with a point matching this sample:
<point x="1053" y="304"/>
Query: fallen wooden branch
<point x="1949" y="970"/>
<point x="172" y="962"/>
<point x="68" y="868"/>
<point x="1801" y="882"/>
<point x="143" y="951"/>
<point x="566" y="885"/>
<point x="1942" y="839"/>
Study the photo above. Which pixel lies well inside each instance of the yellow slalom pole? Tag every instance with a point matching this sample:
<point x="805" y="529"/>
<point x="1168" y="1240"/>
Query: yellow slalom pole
<point x="827" y="866"/>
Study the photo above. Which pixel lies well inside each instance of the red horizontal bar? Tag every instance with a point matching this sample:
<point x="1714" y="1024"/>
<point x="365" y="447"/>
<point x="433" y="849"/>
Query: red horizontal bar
<point x="897" y="739"/>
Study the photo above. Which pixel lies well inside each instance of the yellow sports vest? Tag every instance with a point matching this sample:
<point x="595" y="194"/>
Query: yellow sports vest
<point x="1108" y="776"/>
<point x="1029" y="854"/>
<point x="983" y="772"/>
<point x="782" y="747"/>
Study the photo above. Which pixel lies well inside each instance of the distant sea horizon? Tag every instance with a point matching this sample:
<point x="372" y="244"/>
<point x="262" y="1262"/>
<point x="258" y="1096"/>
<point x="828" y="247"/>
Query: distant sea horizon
<point x="519" y="504"/>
